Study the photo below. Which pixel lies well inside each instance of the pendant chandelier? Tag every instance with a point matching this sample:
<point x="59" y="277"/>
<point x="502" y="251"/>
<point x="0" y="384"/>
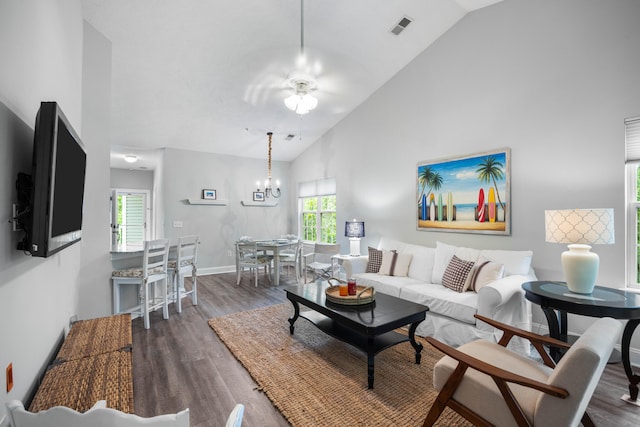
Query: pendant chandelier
<point x="268" y="189"/>
<point x="302" y="101"/>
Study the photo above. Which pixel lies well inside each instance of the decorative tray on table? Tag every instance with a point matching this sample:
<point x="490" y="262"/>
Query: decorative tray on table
<point x="364" y="294"/>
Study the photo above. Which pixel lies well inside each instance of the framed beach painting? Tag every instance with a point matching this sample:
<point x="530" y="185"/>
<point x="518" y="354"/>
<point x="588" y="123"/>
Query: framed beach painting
<point x="469" y="194"/>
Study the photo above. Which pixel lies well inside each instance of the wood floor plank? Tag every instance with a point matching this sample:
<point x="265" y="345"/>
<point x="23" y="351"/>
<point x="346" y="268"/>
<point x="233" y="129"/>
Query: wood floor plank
<point x="181" y="362"/>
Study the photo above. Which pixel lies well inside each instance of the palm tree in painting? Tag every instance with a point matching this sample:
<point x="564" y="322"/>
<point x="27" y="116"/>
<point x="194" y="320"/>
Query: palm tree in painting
<point x="490" y="170"/>
<point x="428" y="178"/>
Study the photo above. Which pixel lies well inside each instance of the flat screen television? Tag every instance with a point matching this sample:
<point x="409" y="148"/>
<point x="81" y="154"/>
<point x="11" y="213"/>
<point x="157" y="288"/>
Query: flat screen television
<point x="55" y="205"/>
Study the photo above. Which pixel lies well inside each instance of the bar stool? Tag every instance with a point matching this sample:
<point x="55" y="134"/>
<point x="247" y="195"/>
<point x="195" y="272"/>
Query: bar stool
<point x="147" y="277"/>
<point x="185" y="263"/>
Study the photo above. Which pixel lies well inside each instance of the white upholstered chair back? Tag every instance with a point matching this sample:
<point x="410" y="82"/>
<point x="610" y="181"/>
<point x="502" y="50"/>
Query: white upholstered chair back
<point x="578" y="372"/>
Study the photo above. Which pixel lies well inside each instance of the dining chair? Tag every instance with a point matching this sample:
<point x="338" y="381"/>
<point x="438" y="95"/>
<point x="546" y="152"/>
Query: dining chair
<point x="248" y="256"/>
<point x="293" y="258"/>
<point x="152" y="273"/>
<point x="183" y="265"/>
<point x="490" y="385"/>
<point x="319" y="261"/>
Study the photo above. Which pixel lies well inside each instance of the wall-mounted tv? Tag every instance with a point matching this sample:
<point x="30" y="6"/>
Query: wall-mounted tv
<point x="53" y="215"/>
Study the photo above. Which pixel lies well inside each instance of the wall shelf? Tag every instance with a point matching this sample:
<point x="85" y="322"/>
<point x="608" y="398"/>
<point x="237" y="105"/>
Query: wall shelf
<point x="264" y="204"/>
<point x="208" y="202"/>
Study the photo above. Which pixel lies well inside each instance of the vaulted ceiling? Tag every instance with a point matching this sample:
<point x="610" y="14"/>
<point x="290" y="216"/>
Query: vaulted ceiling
<point x="212" y="75"/>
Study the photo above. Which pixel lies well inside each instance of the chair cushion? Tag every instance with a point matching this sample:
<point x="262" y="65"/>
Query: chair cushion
<point x="172" y="263"/>
<point x="134" y="272"/>
<point x="478" y="392"/>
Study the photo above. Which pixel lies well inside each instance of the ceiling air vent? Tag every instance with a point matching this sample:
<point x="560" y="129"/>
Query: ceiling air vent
<point x="400" y="26"/>
<point x="289" y="137"/>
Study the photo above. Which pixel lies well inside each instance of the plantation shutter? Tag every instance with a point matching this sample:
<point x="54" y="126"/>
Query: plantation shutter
<point x="134" y="210"/>
<point x="632" y="138"/>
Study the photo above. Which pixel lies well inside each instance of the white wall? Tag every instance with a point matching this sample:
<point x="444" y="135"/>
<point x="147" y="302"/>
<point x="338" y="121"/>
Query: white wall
<point x="132" y="179"/>
<point x="186" y="173"/>
<point x="41" y="51"/>
<point x="552" y="80"/>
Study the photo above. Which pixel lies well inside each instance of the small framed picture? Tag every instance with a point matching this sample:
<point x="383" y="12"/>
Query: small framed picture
<point x="209" y="194"/>
<point x="258" y="196"/>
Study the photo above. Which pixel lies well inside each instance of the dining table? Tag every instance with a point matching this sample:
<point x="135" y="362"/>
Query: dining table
<point x="274" y="246"/>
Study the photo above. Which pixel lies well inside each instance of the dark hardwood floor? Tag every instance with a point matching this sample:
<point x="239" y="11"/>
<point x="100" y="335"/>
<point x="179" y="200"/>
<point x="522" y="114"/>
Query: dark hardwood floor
<point x="180" y="362"/>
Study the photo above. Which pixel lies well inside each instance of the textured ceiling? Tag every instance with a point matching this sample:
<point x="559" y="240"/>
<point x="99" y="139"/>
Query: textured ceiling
<point x="211" y="75"/>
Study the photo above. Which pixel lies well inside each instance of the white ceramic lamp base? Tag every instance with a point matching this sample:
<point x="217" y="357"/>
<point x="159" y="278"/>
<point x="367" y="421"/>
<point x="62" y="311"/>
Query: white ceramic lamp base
<point x="580" y="268"/>
<point x="354" y="243"/>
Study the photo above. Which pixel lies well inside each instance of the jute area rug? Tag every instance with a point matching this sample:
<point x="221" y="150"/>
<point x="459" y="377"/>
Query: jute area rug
<point x="316" y="380"/>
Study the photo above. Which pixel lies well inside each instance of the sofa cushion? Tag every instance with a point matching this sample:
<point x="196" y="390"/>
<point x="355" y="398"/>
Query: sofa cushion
<point x="443" y="255"/>
<point x="375" y="259"/>
<point x="390" y="285"/>
<point x="421" y="262"/>
<point x="515" y="262"/>
<point x="455" y="275"/>
<point x="394" y="264"/>
<point x="443" y="301"/>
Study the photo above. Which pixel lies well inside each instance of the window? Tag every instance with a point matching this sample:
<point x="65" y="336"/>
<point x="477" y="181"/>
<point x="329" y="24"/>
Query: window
<point x="129" y="216"/>
<point x="318" y="222"/>
<point x="632" y="137"/>
<point x="317" y="205"/>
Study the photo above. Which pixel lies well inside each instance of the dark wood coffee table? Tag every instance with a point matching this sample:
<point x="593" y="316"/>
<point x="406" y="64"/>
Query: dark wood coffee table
<point x="369" y="328"/>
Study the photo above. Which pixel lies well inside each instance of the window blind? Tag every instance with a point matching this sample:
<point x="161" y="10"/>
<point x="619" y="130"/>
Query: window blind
<point x="319" y="187"/>
<point x="632" y="138"/>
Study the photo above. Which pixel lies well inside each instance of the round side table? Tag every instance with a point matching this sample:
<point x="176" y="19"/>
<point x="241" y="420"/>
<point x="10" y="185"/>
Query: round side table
<point x="556" y="301"/>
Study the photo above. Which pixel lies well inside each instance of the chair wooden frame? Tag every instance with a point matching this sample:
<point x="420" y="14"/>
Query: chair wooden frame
<point x="185" y="263"/>
<point x="248" y="256"/>
<point x="287" y="260"/>
<point x="500" y="376"/>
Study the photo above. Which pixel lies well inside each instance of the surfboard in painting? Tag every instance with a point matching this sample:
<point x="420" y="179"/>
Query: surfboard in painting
<point x="440" y="207"/>
<point x="449" y="206"/>
<point x="423" y="208"/>
<point x="492" y="205"/>
<point x="432" y="207"/>
<point x="481" y="212"/>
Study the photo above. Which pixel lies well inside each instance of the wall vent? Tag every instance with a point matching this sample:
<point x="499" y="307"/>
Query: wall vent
<point x="401" y="25"/>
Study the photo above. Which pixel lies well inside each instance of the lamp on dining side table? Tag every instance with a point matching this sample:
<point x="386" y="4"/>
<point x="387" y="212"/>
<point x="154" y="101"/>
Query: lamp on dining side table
<point x="354" y="230"/>
<point x="580" y="228"/>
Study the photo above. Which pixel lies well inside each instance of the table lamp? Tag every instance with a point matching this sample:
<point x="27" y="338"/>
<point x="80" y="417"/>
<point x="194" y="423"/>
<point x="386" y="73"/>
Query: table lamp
<point x="580" y="228"/>
<point x="354" y="230"/>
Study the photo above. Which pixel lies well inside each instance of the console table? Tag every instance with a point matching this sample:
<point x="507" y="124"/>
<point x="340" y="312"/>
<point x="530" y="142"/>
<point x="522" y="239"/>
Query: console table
<point x="556" y="301"/>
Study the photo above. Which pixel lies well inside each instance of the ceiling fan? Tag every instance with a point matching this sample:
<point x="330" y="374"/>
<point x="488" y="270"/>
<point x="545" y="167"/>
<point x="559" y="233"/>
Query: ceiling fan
<point x="303" y="85"/>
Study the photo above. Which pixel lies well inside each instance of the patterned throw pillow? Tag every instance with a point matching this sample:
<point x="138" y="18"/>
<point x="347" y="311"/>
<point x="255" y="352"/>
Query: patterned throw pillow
<point x="375" y="259"/>
<point x="456" y="274"/>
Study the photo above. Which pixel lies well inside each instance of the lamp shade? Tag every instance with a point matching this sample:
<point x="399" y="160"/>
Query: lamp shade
<point x="354" y="228"/>
<point x="586" y="226"/>
<point x="580" y="228"/>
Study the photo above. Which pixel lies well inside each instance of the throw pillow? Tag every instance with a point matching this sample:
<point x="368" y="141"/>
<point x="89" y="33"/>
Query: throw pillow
<point x="375" y="259"/>
<point x="456" y="273"/>
<point x="395" y="264"/>
<point x="485" y="273"/>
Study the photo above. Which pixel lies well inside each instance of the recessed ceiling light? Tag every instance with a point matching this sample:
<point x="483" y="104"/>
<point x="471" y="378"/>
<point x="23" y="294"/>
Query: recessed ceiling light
<point x="130" y="158"/>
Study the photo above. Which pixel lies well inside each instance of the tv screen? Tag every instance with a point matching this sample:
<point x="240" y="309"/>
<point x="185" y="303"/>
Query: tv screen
<point x="58" y="175"/>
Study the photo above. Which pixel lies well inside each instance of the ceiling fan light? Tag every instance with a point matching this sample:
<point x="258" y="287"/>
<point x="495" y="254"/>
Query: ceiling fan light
<point x="302" y="108"/>
<point x="310" y="101"/>
<point x="292" y="102"/>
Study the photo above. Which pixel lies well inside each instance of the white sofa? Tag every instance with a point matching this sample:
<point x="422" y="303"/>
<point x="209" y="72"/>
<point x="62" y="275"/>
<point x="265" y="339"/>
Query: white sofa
<point x="451" y="314"/>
